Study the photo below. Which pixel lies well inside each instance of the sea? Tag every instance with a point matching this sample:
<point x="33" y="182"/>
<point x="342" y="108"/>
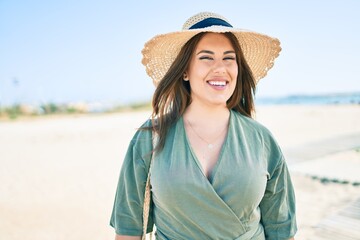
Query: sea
<point x="309" y="99"/>
<point x="300" y="99"/>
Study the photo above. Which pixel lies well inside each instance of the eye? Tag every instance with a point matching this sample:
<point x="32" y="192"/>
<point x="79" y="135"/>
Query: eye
<point x="205" y="58"/>
<point x="229" y="58"/>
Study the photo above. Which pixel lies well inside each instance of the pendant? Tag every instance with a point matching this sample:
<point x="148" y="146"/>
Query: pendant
<point x="210" y="146"/>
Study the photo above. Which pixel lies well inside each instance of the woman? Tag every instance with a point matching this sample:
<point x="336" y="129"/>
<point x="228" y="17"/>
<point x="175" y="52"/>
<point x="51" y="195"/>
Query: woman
<point x="215" y="172"/>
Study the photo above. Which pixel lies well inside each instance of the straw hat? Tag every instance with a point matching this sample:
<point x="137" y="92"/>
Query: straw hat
<point x="160" y="52"/>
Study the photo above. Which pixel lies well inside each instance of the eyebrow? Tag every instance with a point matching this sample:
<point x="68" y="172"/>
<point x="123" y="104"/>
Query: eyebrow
<point x="211" y="52"/>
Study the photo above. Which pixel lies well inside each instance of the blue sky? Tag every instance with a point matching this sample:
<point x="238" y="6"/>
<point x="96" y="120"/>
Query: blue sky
<point x="61" y="51"/>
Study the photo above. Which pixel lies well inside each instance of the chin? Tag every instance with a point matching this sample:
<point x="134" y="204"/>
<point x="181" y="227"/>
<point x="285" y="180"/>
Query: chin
<point x="219" y="103"/>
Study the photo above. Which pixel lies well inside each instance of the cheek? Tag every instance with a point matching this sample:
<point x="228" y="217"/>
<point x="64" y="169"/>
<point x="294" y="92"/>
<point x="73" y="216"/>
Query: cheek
<point x="234" y="75"/>
<point x="234" y="72"/>
<point x="198" y="71"/>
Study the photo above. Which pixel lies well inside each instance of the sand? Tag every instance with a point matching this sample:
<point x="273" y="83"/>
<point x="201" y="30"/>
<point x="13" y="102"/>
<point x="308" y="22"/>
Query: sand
<point x="58" y="175"/>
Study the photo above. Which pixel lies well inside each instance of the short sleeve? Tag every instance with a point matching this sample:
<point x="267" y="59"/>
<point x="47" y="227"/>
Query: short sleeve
<point x="278" y="204"/>
<point x="126" y="217"/>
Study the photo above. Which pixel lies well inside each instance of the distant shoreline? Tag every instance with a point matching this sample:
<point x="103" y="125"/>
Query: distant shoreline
<point x="80" y="108"/>
<point x="312" y="99"/>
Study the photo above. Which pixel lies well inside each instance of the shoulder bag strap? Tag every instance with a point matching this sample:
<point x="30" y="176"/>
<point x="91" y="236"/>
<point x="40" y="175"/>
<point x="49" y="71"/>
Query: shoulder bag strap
<point x="147" y="195"/>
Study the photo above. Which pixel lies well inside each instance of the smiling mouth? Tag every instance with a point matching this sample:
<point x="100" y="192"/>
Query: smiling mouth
<point x="218" y="83"/>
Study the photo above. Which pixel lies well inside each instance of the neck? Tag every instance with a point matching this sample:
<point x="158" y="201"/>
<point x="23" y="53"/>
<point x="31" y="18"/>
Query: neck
<point x="210" y="115"/>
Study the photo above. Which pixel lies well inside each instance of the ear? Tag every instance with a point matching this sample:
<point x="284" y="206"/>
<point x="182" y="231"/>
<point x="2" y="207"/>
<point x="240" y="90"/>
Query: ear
<point x="185" y="76"/>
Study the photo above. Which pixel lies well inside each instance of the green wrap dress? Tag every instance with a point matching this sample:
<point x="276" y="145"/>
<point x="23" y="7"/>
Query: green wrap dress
<point x="248" y="194"/>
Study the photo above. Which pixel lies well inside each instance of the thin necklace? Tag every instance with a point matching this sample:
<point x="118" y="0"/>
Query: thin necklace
<point x="210" y="145"/>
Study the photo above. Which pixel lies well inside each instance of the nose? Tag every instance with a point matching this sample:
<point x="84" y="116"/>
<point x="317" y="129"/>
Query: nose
<point x="219" y="67"/>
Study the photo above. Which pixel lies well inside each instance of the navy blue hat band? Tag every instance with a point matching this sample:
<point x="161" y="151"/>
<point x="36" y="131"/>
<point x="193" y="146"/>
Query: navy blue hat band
<point x="208" y="22"/>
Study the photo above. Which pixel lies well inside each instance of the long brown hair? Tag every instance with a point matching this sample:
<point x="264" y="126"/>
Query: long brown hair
<point x="172" y="95"/>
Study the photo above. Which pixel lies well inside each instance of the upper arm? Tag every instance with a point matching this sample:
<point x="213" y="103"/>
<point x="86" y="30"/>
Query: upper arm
<point x="126" y="217"/>
<point x="278" y="205"/>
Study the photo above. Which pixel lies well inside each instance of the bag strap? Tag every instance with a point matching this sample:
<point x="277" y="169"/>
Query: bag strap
<point x="147" y="195"/>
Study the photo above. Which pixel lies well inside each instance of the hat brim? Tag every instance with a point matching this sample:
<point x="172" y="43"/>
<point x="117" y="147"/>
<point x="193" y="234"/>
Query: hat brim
<point x="160" y="52"/>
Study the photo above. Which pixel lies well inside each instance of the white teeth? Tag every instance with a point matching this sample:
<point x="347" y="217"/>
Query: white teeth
<point x="217" y="83"/>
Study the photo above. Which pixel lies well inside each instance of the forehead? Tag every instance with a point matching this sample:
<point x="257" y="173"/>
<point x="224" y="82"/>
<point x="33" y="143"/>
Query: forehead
<point x="214" y="41"/>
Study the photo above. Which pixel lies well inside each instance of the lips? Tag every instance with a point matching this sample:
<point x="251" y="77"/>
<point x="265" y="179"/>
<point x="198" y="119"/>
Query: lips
<point x="218" y="83"/>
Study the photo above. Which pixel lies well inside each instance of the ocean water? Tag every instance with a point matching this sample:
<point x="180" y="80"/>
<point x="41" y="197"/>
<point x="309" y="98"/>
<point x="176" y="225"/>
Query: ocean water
<point x="340" y="98"/>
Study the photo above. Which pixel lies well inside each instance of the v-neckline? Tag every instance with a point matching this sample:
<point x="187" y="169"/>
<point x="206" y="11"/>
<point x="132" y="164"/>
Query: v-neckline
<point x="212" y="172"/>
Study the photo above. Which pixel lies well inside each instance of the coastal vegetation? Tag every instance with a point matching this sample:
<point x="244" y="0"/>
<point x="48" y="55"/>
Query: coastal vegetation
<point x="16" y="111"/>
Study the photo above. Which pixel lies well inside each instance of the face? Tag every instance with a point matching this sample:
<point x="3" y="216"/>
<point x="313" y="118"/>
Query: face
<point x="213" y="70"/>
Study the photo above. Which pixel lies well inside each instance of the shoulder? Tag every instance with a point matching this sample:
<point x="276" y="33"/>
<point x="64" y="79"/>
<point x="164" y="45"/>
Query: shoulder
<point x="250" y="125"/>
<point x="143" y="133"/>
<point x="259" y="134"/>
<point x="141" y="142"/>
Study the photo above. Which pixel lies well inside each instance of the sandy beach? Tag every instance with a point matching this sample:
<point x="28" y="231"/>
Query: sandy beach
<point x="58" y="175"/>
